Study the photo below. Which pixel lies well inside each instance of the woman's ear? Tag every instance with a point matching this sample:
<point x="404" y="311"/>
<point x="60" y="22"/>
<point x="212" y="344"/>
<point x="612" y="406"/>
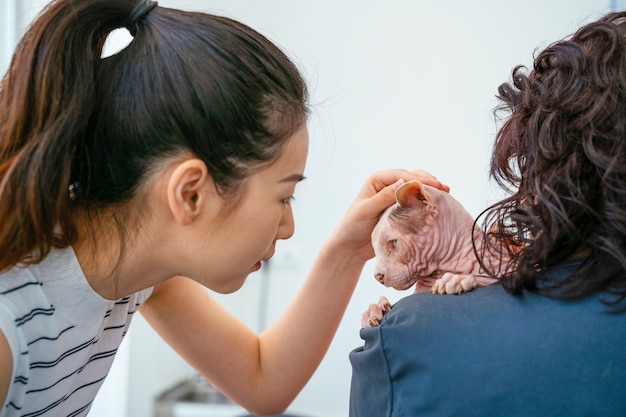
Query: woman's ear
<point x="187" y="189"/>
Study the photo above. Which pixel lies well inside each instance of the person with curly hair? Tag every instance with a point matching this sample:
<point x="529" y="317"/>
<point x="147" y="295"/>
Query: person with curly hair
<point x="549" y="338"/>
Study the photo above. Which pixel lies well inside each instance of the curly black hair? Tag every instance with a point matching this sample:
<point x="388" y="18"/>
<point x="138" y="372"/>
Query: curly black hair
<point x="561" y="155"/>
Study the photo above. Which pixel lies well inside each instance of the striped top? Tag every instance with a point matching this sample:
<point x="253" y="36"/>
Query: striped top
<point x="63" y="336"/>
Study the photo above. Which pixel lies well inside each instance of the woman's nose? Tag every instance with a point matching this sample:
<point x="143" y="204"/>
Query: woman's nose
<point x="287" y="225"/>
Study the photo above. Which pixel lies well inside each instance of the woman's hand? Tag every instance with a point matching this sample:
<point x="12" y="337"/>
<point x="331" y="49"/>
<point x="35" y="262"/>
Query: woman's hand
<point x="377" y="194"/>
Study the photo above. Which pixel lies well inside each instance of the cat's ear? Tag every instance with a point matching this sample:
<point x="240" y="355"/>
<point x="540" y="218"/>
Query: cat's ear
<point x="412" y="194"/>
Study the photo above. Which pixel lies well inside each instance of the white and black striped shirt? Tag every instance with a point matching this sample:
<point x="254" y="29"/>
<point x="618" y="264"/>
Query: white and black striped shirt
<point x="63" y="336"/>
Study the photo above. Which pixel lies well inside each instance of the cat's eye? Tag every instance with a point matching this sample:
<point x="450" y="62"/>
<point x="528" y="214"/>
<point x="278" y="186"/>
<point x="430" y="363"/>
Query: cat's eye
<point x="393" y="243"/>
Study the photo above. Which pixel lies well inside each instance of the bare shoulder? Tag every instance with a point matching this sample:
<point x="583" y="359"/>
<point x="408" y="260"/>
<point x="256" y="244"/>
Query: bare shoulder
<point x="175" y="290"/>
<point x="6" y="367"/>
<point x="178" y="300"/>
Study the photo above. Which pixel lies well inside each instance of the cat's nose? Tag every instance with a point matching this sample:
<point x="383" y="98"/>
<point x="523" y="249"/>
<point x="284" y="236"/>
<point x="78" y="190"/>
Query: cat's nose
<point x="380" y="278"/>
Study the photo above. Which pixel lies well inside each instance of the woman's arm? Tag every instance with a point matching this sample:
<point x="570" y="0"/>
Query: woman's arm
<point x="6" y="368"/>
<point x="265" y="373"/>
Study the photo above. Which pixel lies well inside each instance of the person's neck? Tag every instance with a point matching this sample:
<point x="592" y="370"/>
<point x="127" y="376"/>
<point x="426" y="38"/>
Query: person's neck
<point x="115" y="268"/>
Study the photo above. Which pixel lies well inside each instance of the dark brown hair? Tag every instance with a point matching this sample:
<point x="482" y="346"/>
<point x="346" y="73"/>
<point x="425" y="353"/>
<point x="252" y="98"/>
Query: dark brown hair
<point x="188" y="81"/>
<point x="562" y="155"/>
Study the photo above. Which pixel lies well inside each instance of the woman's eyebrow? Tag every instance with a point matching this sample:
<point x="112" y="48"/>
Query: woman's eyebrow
<point x="294" y="178"/>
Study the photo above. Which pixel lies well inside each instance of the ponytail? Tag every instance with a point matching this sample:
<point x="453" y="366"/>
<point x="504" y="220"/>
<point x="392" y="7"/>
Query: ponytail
<point x="79" y="134"/>
<point x="46" y="99"/>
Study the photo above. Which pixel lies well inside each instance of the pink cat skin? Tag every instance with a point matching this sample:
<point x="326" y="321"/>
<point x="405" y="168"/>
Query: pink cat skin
<point x="425" y="239"/>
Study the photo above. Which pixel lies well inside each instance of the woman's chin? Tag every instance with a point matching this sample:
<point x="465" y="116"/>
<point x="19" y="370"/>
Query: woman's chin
<point x="227" y="287"/>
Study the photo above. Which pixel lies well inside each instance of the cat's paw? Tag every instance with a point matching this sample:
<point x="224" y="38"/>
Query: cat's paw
<point x="375" y="312"/>
<point x="450" y="283"/>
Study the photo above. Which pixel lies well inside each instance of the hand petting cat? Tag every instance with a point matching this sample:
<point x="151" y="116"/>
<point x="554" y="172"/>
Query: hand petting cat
<point x="425" y="240"/>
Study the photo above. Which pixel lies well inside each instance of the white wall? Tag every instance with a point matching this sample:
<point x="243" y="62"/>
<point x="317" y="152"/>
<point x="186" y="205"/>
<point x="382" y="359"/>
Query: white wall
<point x="401" y="83"/>
<point x="8" y="31"/>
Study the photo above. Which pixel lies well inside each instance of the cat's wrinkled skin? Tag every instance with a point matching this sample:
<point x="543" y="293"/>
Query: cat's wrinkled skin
<point x="425" y="239"/>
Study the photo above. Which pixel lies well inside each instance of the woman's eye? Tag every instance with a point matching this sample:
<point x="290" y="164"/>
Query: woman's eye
<point x="289" y="200"/>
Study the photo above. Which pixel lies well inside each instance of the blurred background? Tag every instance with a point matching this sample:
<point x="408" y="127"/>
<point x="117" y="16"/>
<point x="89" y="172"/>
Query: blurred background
<point x="394" y="84"/>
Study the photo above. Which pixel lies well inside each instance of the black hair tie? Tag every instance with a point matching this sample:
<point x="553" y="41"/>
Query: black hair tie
<point x="138" y="15"/>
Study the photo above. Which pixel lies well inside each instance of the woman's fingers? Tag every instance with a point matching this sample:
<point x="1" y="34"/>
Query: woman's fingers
<point x="429" y="179"/>
<point x="382" y="179"/>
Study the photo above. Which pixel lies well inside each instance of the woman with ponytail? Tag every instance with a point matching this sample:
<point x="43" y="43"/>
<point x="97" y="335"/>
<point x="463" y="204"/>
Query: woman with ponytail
<point x="132" y="182"/>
